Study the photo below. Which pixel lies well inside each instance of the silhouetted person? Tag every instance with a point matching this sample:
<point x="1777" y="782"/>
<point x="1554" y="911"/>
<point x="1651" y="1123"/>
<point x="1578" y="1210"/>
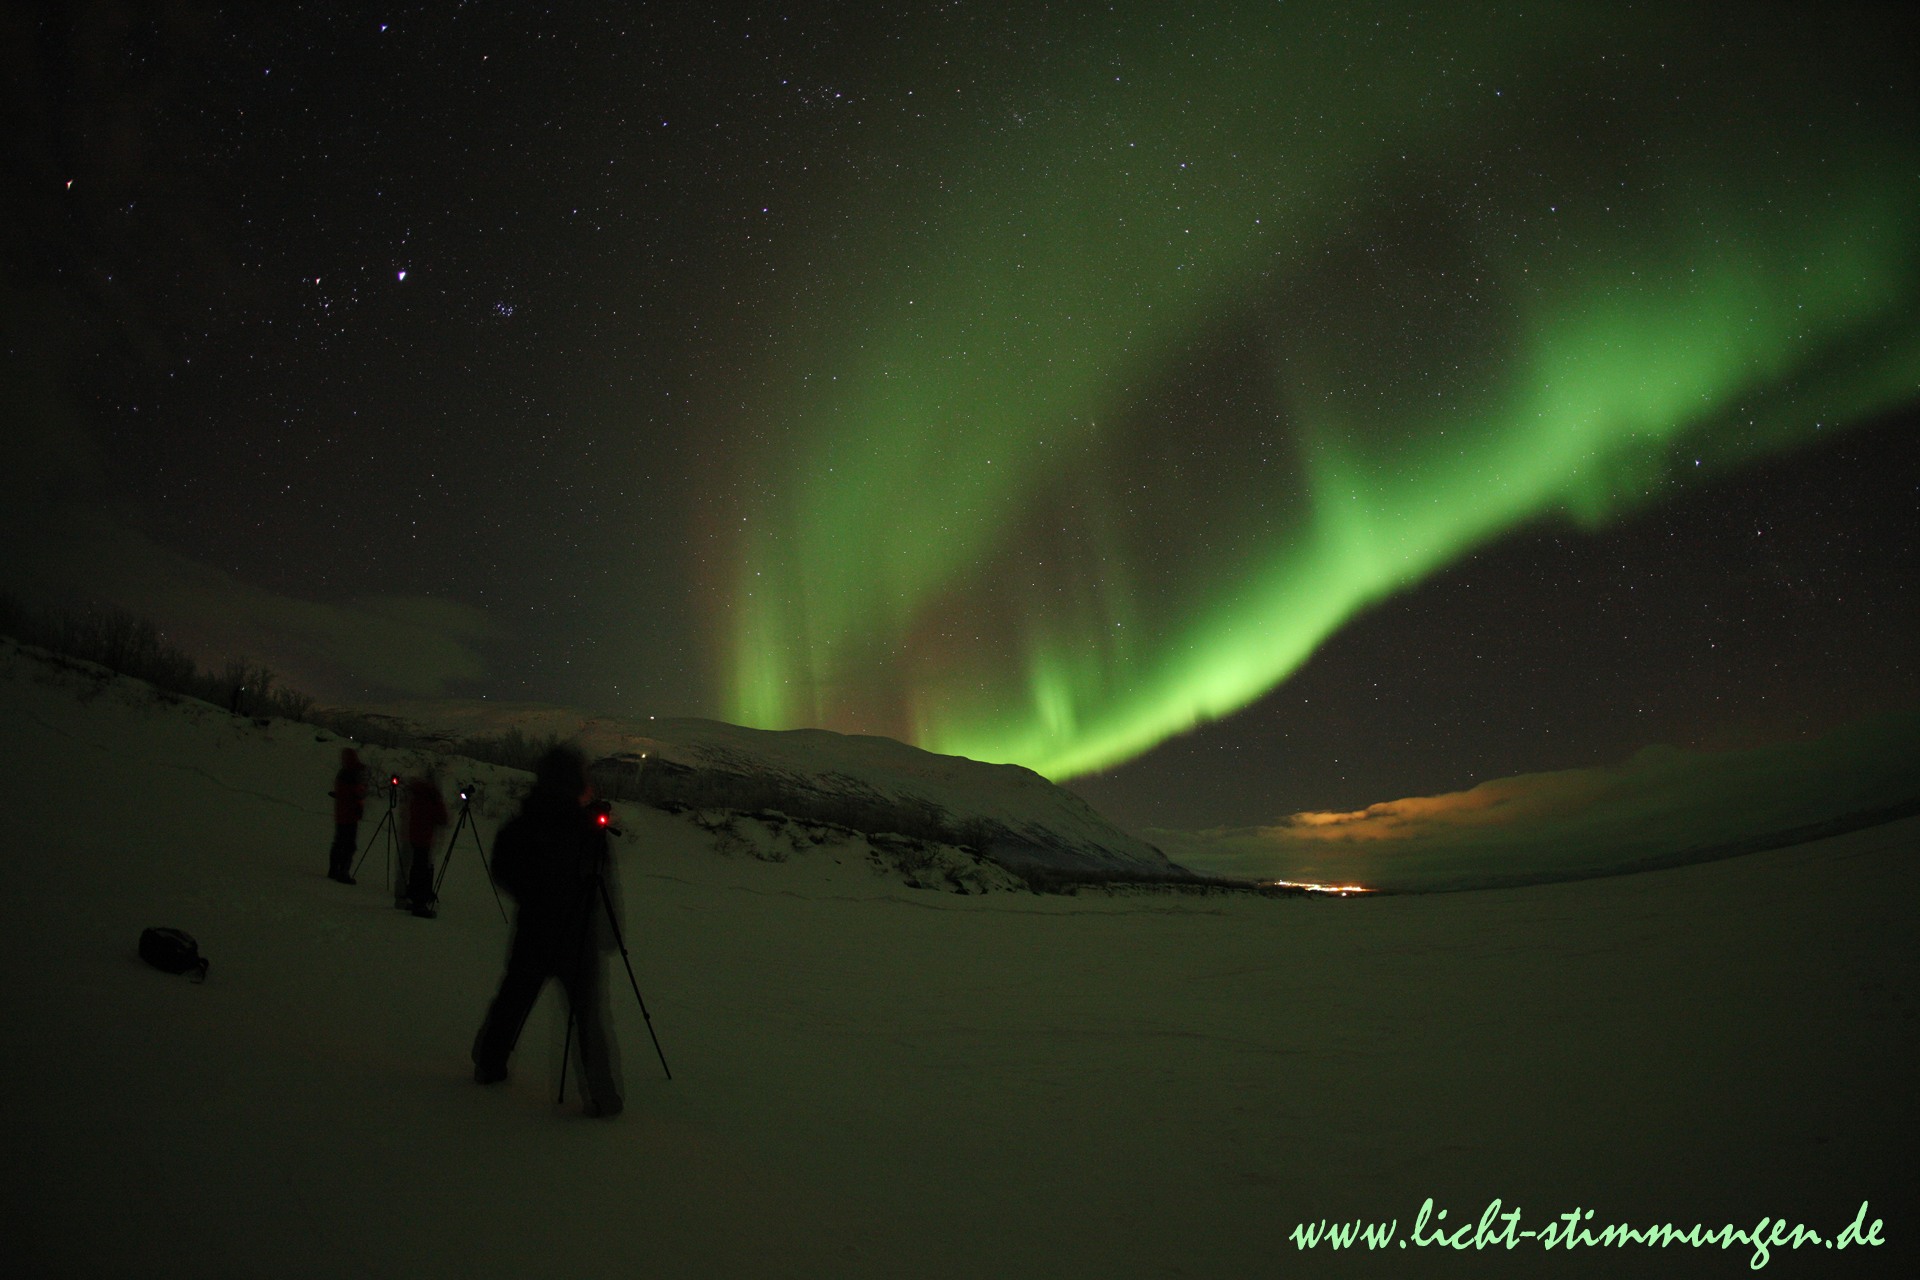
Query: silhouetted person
<point x="551" y="858"/>
<point x="349" y="806"/>
<point x="426" y="814"/>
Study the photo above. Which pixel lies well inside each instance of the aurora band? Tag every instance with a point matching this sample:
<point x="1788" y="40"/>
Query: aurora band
<point x="1098" y="428"/>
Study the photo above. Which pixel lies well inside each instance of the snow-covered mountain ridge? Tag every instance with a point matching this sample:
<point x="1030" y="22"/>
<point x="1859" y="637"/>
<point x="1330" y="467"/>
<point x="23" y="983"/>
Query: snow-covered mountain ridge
<point x="870" y="784"/>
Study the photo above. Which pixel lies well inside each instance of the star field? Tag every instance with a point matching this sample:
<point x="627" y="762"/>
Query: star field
<point x="1259" y="410"/>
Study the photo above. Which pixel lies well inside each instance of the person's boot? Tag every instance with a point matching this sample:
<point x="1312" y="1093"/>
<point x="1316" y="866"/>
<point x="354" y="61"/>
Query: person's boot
<point x="339" y="871"/>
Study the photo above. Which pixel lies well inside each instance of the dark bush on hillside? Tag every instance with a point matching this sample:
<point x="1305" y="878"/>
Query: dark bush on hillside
<point x="513" y="749"/>
<point x="850" y="803"/>
<point x="371" y="731"/>
<point x="855" y="806"/>
<point x="133" y="646"/>
<point x="113" y="638"/>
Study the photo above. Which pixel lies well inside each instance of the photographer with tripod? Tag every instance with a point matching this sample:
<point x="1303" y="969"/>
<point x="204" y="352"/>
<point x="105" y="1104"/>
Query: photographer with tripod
<point x="552" y="858"/>
<point x="426" y="814"/>
<point x="349" y="806"/>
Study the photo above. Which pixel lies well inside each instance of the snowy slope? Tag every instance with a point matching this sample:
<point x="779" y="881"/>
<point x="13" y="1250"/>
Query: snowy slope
<point x="1011" y="813"/>
<point x="872" y="1081"/>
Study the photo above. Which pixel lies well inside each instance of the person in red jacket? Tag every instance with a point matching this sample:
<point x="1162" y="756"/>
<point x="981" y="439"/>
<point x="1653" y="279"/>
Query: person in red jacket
<point x="426" y="814"/>
<point x="349" y="806"/>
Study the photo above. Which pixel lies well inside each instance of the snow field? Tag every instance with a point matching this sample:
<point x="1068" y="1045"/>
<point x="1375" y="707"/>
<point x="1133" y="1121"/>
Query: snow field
<point x="874" y="1080"/>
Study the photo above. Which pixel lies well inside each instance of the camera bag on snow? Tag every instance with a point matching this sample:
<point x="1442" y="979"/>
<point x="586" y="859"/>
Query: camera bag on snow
<point x="174" y="951"/>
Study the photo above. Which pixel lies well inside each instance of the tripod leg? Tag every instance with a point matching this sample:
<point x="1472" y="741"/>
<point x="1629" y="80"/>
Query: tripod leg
<point x="468" y="822"/>
<point x="448" y="860"/>
<point x="566" y="1046"/>
<point x="385" y="820"/>
<point x="488" y="867"/>
<point x="606" y="900"/>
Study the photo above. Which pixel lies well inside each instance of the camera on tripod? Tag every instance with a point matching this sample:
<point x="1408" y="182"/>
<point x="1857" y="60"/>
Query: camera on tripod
<point x="469" y="793"/>
<point x="602" y="811"/>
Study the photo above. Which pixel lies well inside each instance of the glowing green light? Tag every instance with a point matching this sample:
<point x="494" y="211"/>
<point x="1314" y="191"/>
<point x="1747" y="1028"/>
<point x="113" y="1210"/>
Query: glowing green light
<point x="1168" y="380"/>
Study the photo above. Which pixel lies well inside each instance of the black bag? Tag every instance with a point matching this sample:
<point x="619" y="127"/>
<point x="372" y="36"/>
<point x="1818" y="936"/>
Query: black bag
<point x="173" y="951"/>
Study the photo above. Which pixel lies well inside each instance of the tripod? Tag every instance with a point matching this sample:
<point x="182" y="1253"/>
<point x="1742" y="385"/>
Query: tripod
<point x="468" y="822"/>
<point x="606" y="901"/>
<point x="386" y="824"/>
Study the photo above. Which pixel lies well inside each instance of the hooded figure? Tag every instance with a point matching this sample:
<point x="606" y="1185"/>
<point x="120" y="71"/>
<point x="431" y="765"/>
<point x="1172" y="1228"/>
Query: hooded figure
<point x="426" y="814"/>
<point x="552" y="858"/>
<point x="349" y="805"/>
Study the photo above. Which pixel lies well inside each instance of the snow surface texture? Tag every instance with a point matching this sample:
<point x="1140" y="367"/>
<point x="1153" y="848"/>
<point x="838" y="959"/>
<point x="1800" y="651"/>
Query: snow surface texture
<point x="876" y="1081"/>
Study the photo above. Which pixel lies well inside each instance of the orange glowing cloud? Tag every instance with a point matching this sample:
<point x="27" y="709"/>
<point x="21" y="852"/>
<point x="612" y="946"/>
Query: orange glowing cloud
<point x="1662" y="807"/>
<point x="1497" y="803"/>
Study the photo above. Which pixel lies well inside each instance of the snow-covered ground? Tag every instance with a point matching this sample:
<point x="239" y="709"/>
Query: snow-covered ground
<point x="872" y="1080"/>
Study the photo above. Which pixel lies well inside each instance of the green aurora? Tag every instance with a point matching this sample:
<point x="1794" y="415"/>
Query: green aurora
<point x="1132" y="379"/>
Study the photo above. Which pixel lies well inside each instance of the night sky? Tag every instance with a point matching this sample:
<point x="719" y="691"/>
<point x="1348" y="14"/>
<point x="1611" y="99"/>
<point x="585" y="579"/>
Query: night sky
<point x="1406" y="402"/>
